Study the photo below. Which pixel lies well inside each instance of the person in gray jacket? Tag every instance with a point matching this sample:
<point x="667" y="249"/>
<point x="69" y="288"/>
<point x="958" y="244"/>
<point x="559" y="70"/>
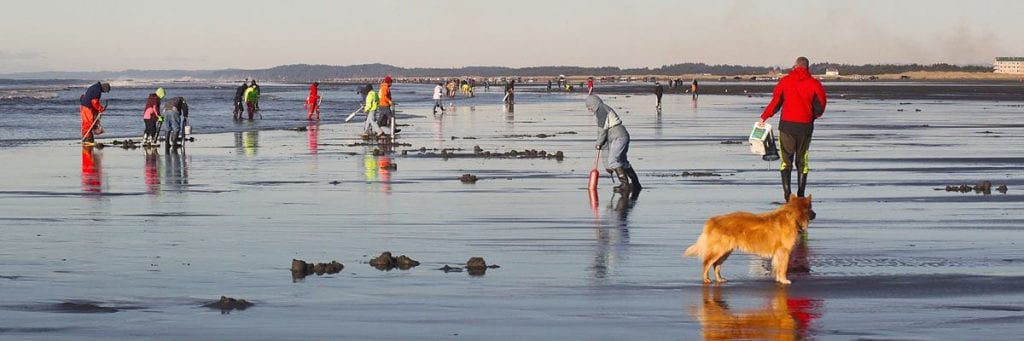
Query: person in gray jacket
<point x="612" y="133"/>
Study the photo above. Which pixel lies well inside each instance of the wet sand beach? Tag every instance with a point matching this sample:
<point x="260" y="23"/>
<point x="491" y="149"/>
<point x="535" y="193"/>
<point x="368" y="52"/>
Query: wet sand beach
<point x="112" y="243"/>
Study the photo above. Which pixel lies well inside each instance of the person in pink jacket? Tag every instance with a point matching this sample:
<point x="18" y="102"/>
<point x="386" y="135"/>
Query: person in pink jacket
<point x="150" y="115"/>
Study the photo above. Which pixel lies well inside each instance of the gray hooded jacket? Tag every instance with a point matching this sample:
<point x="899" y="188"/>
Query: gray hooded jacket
<point x="609" y="126"/>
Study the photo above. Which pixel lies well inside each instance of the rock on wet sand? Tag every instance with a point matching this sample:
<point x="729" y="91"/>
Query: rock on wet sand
<point x="227" y="304"/>
<point x="386" y="262"/>
<point x="301" y="269"/>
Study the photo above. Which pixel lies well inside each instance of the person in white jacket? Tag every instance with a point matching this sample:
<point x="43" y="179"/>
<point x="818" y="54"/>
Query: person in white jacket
<point x="438" y="91"/>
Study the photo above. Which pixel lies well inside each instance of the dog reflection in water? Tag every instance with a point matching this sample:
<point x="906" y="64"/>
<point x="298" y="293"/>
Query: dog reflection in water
<point x="781" y="318"/>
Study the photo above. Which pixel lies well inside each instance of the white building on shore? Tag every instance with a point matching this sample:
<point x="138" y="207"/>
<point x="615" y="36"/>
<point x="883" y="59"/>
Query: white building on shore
<point x="1009" y="65"/>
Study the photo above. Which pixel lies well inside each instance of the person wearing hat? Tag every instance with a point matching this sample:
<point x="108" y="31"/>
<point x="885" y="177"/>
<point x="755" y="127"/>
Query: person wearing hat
<point x="90" y="109"/>
<point x="150" y="115"/>
<point x="313" y="102"/>
<point x="384" y="111"/>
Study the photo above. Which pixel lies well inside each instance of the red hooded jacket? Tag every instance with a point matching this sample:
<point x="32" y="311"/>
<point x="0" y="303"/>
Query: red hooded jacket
<point x="801" y="99"/>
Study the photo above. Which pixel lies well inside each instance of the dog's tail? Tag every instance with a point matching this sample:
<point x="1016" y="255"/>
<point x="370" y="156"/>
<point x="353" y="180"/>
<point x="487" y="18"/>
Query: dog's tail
<point x="697" y="249"/>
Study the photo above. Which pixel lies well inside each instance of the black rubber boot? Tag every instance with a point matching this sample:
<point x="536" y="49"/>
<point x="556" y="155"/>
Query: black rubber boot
<point x="787" y="179"/>
<point x="633" y="178"/>
<point x="801" y="183"/>
<point x="624" y="185"/>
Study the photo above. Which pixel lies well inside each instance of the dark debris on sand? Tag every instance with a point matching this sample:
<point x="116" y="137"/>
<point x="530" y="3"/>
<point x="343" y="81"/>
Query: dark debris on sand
<point x="387" y="262"/>
<point x="983" y="187"/>
<point x="687" y="174"/>
<point x="468" y="178"/>
<point x="481" y="153"/>
<point x="301" y="269"/>
<point x="227" y="304"/>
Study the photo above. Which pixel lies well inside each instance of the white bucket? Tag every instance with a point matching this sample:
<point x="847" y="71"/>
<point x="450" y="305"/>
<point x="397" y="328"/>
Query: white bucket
<point x="757" y="137"/>
<point x="188" y="130"/>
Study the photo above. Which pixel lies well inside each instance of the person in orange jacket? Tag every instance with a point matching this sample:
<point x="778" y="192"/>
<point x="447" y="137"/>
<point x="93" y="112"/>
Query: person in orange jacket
<point x="313" y="101"/>
<point x="385" y="110"/>
<point x="90" y="111"/>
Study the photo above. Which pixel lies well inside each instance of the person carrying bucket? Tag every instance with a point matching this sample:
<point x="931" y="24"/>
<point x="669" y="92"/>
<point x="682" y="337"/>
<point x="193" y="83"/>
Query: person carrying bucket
<point x="177" y="112"/>
<point x="150" y="116"/>
<point x="804" y="102"/>
<point x="611" y="133"/>
<point x="90" y="111"/>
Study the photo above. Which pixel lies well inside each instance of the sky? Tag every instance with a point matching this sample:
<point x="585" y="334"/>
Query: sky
<point x="113" y="35"/>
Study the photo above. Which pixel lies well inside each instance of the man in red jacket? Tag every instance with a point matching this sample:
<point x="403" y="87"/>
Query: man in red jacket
<point x="802" y="100"/>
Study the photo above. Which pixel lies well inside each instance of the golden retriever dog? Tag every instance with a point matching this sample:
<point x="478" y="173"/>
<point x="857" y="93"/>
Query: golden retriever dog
<point x="771" y="234"/>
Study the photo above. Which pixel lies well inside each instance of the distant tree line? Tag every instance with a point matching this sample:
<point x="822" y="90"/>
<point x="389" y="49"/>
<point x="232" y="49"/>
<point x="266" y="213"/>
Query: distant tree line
<point x="303" y="72"/>
<point x="879" y="69"/>
<point x="309" y="72"/>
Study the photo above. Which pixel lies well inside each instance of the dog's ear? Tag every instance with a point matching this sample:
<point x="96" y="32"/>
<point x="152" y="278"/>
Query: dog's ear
<point x="809" y="198"/>
<point x="792" y="197"/>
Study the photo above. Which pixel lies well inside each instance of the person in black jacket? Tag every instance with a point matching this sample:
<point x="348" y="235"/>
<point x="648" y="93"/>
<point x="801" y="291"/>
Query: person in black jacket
<point x="658" y="91"/>
<point x="239" y="108"/>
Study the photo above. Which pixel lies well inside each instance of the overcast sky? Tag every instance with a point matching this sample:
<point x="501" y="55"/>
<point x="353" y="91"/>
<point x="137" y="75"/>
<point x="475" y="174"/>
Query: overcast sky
<point x="95" y="35"/>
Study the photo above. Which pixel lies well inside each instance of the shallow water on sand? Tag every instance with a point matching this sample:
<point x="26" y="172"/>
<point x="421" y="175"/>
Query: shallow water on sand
<point x="117" y="242"/>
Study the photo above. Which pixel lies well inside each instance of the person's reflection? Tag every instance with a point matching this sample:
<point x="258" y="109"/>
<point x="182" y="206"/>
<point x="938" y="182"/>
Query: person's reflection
<point x="438" y="129"/>
<point x="780" y="318"/>
<point x="370" y="167"/>
<point x="151" y="171"/>
<point x="247" y="141"/>
<point x="384" y="169"/>
<point x="92" y="169"/>
<point x="613" y="237"/>
<point x="657" y="125"/>
<point x="176" y="169"/>
<point x="313" y="131"/>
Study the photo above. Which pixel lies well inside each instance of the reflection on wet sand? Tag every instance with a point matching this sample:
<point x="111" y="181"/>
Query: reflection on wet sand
<point x="246" y="142"/>
<point x="780" y="318"/>
<point x="176" y="169"/>
<point x="92" y="169"/>
<point x="377" y="169"/>
<point x="151" y="171"/>
<point x="613" y="237"/>
<point x="313" y="132"/>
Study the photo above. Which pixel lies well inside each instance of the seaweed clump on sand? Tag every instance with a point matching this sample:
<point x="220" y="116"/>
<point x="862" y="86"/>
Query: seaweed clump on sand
<point x="983" y="187"/>
<point x="468" y="178"/>
<point x="450" y="153"/>
<point x="301" y="269"/>
<point x="227" y="304"/>
<point x="386" y="262"/>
